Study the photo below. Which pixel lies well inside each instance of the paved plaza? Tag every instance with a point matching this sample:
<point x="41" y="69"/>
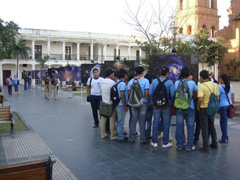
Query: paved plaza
<point x="65" y="126"/>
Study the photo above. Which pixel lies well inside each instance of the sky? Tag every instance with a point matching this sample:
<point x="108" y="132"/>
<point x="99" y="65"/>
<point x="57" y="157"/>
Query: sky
<point x="100" y="16"/>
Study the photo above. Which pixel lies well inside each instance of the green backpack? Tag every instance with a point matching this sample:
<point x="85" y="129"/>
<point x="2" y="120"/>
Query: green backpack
<point x="213" y="105"/>
<point x="136" y="95"/>
<point x="182" y="96"/>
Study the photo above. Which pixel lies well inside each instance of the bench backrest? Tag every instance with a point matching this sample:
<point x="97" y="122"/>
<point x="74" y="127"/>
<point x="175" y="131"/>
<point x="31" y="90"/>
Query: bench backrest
<point x="34" y="170"/>
<point x="5" y="113"/>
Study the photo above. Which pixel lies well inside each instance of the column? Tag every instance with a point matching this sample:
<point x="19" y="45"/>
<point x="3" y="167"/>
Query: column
<point x="105" y="51"/>
<point x="78" y="51"/>
<point x="129" y="52"/>
<point x="48" y="47"/>
<point x="140" y="53"/>
<point x="117" y="51"/>
<point x="33" y="80"/>
<point x="63" y="50"/>
<point x="33" y="49"/>
<point x="1" y="76"/>
<point x="91" y="51"/>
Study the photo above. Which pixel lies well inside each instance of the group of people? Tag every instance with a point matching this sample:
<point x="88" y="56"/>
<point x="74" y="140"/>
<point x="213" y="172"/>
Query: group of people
<point x="51" y="83"/>
<point x="12" y="82"/>
<point x="161" y="98"/>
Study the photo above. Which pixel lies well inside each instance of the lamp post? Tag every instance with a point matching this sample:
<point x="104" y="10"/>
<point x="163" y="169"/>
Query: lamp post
<point x="174" y="31"/>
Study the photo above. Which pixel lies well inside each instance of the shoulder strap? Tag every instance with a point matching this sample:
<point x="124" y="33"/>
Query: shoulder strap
<point x="90" y="85"/>
<point x="226" y="96"/>
<point x="208" y="88"/>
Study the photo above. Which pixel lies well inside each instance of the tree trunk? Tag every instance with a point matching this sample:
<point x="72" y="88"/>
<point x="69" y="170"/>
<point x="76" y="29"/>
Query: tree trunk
<point x="17" y="65"/>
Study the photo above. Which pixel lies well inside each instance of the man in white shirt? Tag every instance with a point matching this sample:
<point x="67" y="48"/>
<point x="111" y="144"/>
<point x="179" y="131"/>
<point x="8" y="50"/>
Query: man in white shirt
<point x="107" y="83"/>
<point x="94" y="91"/>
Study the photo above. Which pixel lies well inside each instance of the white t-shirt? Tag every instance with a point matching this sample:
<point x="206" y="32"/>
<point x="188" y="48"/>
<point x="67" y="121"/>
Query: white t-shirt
<point x="95" y="86"/>
<point x="106" y="89"/>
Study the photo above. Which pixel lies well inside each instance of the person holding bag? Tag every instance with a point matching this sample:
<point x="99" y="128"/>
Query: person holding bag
<point x="225" y="92"/>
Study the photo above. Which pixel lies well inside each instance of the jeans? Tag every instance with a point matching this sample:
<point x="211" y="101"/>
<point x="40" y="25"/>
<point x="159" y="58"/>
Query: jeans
<point x="10" y="89"/>
<point x="120" y="121"/>
<point x="16" y="87"/>
<point x="138" y="114"/>
<point x="224" y="122"/>
<point x="207" y="126"/>
<point x="149" y="121"/>
<point x="29" y="85"/>
<point x="165" y="116"/>
<point x="95" y="102"/>
<point x="189" y="116"/>
<point x="25" y="85"/>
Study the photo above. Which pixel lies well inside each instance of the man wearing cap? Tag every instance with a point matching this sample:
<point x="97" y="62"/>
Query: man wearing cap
<point x="162" y="112"/>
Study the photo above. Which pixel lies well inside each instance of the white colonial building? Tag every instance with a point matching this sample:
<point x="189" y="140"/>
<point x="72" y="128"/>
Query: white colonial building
<point x="71" y="48"/>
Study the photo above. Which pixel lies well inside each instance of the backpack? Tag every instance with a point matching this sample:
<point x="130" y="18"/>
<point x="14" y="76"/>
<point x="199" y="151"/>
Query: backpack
<point x="213" y="104"/>
<point x="182" y="96"/>
<point x="136" y="95"/>
<point x="160" y="96"/>
<point x="114" y="95"/>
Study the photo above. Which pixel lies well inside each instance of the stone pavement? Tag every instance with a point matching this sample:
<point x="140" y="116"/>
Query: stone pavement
<point x="65" y="126"/>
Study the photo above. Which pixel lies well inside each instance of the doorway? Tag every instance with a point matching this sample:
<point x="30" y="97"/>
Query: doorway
<point x="6" y="74"/>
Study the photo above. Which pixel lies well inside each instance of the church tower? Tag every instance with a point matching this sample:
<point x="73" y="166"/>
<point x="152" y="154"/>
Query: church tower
<point x="194" y="15"/>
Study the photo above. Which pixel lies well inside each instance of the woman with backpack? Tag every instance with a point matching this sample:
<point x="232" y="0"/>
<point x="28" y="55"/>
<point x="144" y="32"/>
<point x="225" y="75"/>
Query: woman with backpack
<point x="225" y="91"/>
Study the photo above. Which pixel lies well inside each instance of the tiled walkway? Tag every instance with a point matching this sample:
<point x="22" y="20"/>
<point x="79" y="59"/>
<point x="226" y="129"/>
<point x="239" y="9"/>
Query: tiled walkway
<point x="65" y="126"/>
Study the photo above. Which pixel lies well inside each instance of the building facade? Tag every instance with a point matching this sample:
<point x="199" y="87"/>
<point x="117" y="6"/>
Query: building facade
<point x="71" y="48"/>
<point x="194" y="15"/>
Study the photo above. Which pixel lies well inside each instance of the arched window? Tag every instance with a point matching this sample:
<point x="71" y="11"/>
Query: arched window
<point x="189" y="30"/>
<point x="204" y="27"/>
<point x="212" y="32"/>
<point x="210" y="3"/>
<point x="181" y="4"/>
<point x="180" y="31"/>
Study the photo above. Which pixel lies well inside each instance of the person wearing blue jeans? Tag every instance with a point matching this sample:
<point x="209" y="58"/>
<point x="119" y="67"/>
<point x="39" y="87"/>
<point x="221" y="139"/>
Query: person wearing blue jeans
<point x="9" y="85"/>
<point x="139" y="113"/>
<point x="149" y="121"/>
<point x="162" y="114"/>
<point x="16" y="83"/>
<point x="225" y="92"/>
<point x="122" y="106"/>
<point x="186" y="114"/>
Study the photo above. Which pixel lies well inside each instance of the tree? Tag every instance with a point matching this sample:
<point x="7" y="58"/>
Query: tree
<point x="42" y="61"/>
<point x="8" y="35"/>
<point x="19" y="48"/>
<point x="232" y="66"/>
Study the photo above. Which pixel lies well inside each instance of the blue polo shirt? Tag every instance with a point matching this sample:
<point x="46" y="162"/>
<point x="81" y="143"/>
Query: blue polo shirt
<point x="15" y="81"/>
<point x="170" y="89"/>
<point x="223" y="97"/>
<point x="122" y="87"/>
<point x="144" y="83"/>
<point x="192" y="88"/>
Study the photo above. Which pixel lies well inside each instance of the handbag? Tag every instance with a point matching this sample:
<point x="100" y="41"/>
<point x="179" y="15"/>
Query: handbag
<point x="88" y="97"/>
<point x="105" y="109"/>
<point x="231" y="109"/>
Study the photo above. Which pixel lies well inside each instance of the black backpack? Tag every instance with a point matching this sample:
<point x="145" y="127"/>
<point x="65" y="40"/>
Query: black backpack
<point x="114" y="95"/>
<point x="160" y="97"/>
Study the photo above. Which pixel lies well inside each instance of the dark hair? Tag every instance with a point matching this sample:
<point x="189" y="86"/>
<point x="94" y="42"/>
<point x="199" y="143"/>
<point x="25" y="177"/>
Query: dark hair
<point x="164" y="70"/>
<point x="139" y="70"/>
<point x="185" y="72"/>
<point x="204" y="74"/>
<point x="95" y="69"/>
<point x="131" y="75"/>
<point x="226" y="82"/>
<point x="149" y="77"/>
<point x="121" y="73"/>
<point x="108" y="72"/>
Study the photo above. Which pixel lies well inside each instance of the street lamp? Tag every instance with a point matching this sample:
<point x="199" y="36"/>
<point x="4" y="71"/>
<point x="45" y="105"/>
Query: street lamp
<point x="174" y="31"/>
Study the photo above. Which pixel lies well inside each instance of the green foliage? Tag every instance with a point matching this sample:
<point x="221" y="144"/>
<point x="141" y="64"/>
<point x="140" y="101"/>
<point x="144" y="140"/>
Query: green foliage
<point x="232" y="67"/>
<point x="42" y="61"/>
<point x="8" y="35"/>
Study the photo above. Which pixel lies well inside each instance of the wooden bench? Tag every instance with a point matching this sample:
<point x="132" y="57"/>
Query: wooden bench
<point x="1" y="99"/>
<point x="73" y="87"/>
<point x="33" y="170"/>
<point x="6" y="116"/>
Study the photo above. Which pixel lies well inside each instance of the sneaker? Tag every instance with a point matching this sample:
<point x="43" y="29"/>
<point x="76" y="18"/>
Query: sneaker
<point x="112" y="138"/>
<point x="167" y="145"/>
<point x="179" y="148"/>
<point x="154" y="144"/>
<point x="95" y="126"/>
<point x="221" y="141"/>
<point x="203" y="150"/>
<point x="103" y="137"/>
<point x="213" y="146"/>
<point x="144" y="142"/>
<point x="191" y="149"/>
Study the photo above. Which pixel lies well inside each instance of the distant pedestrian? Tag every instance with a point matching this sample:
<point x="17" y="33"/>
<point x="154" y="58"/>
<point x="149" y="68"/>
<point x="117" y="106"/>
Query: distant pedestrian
<point x="47" y="82"/>
<point x="55" y="85"/>
<point x="16" y="84"/>
<point x="25" y="78"/>
<point x="29" y="81"/>
<point x="212" y="78"/>
<point x="9" y="85"/>
<point x="94" y="92"/>
<point x="225" y="91"/>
